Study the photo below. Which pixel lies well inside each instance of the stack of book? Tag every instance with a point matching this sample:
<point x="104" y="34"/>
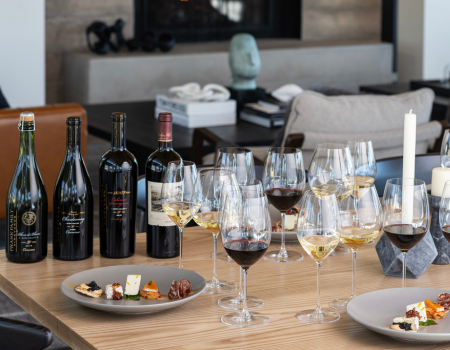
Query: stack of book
<point x="194" y="114"/>
<point x="267" y="114"/>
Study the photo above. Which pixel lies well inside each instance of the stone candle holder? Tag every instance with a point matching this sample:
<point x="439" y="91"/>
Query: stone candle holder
<point x="441" y="243"/>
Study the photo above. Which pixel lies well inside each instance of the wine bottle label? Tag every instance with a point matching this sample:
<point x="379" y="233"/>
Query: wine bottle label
<point x="156" y="214"/>
<point x="12" y="241"/>
<point x="28" y="240"/>
<point x="72" y="221"/>
<point x="118" y="203"/>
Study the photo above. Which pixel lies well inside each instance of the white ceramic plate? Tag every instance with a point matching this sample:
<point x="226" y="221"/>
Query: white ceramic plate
<point x="377" y="309"/>
<point x="162" y="275"/>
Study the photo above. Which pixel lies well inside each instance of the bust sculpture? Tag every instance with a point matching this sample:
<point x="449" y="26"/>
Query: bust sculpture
<point x="244" y="60"/>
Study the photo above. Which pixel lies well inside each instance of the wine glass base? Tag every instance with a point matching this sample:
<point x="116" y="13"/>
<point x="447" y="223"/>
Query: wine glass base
<point x="311" y="316"/>
<point x="222" y="256"/>
<point x="234" y="302"/>
<point x="219" y="288"/>
<point x="235" y="319"/>
<point x="340" y="250"/>
<point x="340" y="304"/>
<point x="289" y="256"/>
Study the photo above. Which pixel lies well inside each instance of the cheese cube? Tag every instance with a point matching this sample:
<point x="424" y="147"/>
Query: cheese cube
<point x="414" y="321"/>
<point x="133" y="284"/>
<point x="420" y="308"/>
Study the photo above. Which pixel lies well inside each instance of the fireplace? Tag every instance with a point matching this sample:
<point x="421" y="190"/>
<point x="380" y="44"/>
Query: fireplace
<point x="215" y="20"/>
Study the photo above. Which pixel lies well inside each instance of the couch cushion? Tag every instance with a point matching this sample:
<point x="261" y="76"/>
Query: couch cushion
<point x="355" y="115"/>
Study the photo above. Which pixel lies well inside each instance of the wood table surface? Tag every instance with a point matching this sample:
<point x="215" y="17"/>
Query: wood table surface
<point x="285" y="287"/>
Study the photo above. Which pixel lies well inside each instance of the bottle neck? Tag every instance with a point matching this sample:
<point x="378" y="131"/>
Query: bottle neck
<point x="165" y="135"/>
<point x="73" y="139"/>
<point x="26" y="144"/>
<point x="118" y="135"/>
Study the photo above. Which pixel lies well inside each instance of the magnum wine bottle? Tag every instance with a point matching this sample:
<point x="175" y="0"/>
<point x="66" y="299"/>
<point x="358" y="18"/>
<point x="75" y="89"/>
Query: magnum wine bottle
<point x="162" y="233"/>
<point x="73" y="202"/>
<point x="118" y="177"/>
<point x="26" y="202"/>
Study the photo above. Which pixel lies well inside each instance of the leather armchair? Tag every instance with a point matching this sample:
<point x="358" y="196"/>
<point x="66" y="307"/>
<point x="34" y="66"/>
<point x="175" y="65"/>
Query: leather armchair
<point x="50" y="143"/>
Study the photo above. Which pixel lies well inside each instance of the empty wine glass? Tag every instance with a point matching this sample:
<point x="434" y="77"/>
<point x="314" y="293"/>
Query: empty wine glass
<point x="444" y="211"/>
<point x="361" y="220"/>
<point x="176" y="195"/>
<point x="445" y="150"/>
<point x="240" y="161"/>
<point x="331" y="164"/>
<point x="208" y="188"/>
<point x="363" y="161"/>
<point x="252" y="189"/>
<point x="318" y="231"/>
<point x="245" y="231"/>
<point x="284" y="182"/>
<point x="406" y="214"/>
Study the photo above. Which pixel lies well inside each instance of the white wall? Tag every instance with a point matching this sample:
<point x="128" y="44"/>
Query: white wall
<point x="423" y="39"/>
<point x="22" y="52"/>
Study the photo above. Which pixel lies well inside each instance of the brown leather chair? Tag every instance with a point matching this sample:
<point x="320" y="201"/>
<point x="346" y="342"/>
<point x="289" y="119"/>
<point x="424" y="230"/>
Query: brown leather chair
<point x="50" y="143"/>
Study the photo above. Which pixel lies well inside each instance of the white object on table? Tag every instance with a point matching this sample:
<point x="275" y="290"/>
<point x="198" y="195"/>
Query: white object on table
<point x="438" y="178"/>
<point x="409" y="163"/>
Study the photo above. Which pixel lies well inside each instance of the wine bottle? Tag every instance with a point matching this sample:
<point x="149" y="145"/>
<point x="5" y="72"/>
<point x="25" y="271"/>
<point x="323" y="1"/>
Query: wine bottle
<point x="26" y="202"/>
<point x="162" y="233"/>
<point x="73" y="202"/>
<point x="118" y="178"/>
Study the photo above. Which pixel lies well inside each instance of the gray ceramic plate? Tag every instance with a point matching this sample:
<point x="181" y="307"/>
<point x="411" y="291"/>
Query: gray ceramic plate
<point x="162" y="275"/>
<point x="377" y="309"/>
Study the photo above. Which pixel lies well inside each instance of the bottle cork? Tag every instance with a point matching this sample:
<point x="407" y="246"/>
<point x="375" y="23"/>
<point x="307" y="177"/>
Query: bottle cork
<point x="26" y="116"/>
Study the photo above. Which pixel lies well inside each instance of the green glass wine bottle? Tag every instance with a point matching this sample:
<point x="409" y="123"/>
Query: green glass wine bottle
<point x="26" y="202"/>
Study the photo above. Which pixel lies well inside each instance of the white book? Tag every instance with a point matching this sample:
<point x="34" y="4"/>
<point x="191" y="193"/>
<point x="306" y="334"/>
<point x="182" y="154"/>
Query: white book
<point x="187" y="108"/>
<point x="200" y="121"/>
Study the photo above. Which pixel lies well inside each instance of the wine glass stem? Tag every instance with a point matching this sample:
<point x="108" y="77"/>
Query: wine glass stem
<point x="180" y="263"/>
<point x="241" y="293"/>
<point x="354" y="273"/>
<point x="318" y="309"/>
<point x="283" y="244"/>
<point x="215" y="280"/>
<point x="245" y="313"/>
<point x="404" y="270"/>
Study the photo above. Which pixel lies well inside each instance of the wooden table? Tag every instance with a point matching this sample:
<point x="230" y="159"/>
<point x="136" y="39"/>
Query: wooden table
<point x="286" y="289"/>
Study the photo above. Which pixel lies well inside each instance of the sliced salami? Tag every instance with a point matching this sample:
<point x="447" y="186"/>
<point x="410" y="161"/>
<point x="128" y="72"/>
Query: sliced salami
<point x="184" y="288"/>
<point x="174" y="291"/>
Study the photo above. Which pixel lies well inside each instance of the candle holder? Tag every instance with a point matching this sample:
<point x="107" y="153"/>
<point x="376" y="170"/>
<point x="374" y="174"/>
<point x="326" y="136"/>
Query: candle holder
<point x="441" y="243"/>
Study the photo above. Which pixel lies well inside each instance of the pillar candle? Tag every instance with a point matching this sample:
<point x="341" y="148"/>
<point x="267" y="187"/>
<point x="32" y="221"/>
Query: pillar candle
<point x="409" y="162"/>
<point x="438" y="178"/>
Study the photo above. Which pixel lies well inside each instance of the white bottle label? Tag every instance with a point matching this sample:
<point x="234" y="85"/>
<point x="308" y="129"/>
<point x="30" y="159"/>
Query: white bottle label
<point x="156" y="214"/>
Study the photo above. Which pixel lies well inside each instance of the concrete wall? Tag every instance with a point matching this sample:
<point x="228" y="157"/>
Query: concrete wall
<point x="22" y="52"/>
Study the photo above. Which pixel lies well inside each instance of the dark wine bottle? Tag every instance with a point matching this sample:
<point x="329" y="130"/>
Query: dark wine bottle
<point x="26" y="202"/>
<point x="162" y="233"/>
<point x="118" y="178"/>
<point x="73" y="202"/>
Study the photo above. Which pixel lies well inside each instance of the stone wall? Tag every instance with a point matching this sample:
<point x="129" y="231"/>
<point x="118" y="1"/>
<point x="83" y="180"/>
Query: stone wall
<point x="66" y="22"/>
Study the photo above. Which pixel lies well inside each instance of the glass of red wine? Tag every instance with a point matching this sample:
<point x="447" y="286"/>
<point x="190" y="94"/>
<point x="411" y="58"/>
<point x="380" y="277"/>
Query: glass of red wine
<point x="246" y="231"/>
<point x="406" y="214"/>
<point x="444" y="211"/>
<point x="284" y="182"/>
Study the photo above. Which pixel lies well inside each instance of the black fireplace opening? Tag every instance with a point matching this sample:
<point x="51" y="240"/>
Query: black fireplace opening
<point x="216" y="20"/>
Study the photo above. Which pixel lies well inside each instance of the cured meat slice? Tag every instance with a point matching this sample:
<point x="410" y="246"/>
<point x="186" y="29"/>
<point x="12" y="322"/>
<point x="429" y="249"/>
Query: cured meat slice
<point x="174" y="291"/>
<point x="185" y="287"/>
<point x="444" y="300"/>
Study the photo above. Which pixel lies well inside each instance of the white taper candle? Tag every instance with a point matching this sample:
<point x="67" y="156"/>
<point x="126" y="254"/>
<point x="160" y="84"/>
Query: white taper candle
<point x="409" y="163"/>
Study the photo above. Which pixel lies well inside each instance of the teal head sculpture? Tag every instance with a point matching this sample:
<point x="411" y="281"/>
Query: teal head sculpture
<point x="245" y="63"/>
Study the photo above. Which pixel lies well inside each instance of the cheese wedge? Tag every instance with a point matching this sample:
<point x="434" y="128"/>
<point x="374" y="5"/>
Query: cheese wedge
<point x="133" y="284"/>
<point x="420" y="308"/>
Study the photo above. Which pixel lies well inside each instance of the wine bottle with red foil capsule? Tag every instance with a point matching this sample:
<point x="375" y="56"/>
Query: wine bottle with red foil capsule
<point x="73" y="202"/>
<point x="162" y="233"/>
<point x="118" y="178"/>
<point x="26" y="202"/>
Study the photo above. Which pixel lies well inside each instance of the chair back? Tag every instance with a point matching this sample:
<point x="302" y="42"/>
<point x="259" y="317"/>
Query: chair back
<point x="390" y="168"/>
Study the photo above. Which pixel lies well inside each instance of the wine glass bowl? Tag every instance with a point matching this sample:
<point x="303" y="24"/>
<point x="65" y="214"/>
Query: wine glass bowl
<point x="284" y="182"/>
<point x="405" y="214"/>
<point x="363" y="160"/>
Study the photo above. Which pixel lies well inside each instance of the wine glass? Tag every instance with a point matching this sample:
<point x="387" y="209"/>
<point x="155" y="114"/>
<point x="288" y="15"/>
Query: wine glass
<point x="245" y="231"/>
<point x="318" y="231"/>
<point x="331" y="164"/>
<point x="251" y="189"/>
<point x="284" y="182"/>
<point x="445" y="150"/>
<point x="240" y="161"/>
<point x="405" y="214"/>
<point x="444" y="211"/>
<point x="207" y="191"/>
<point x="361" y="220"/>
<point x="176" y="195"/>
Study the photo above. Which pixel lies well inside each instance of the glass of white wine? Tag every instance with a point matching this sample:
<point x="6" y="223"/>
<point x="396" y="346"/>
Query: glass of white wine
<point x="331" y="165"/>
<point x="207" y="192"/>
<point x="176" y="195"/>
<point x="318" y="231"/>
<point x="361" y="220"/>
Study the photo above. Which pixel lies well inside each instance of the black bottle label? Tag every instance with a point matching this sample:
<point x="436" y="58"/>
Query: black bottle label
<point x="22" y="235"/>
<point x="12" y="231"/>
<point x="118" y="205"/>
<point x="72" y="222"/>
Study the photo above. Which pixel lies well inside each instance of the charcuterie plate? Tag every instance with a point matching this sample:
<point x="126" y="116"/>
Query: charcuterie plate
<point x="162" y="275"/>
